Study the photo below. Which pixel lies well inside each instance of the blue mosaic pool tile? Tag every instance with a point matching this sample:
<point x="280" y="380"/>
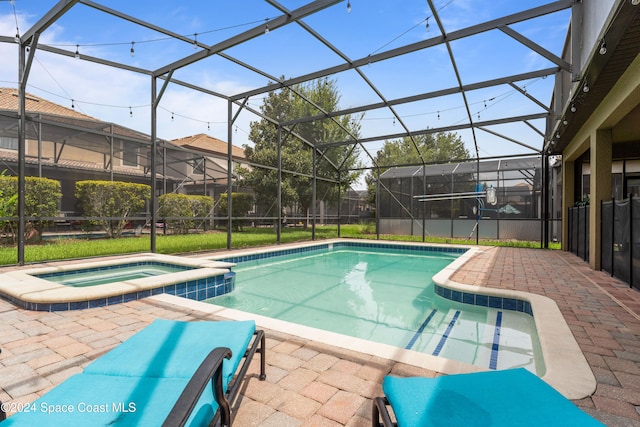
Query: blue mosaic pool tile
<point x="78" y="305"/>
<point x="117" y="299"/>
<point x="468" y="298"/>
<point x="482" y="300"/>
<point x="510" y="304"/>
<point x="192" y="286"/>
<point x="61" y="306"/>
<point x="157" y="291"/>
<point x="144" y="293"/>
<point x="130" y="297"/>
<point x="181" y="289"/>
<point x="97" y="303"/>
<point x="456" y="296"/>
<point x="496" y="302"/>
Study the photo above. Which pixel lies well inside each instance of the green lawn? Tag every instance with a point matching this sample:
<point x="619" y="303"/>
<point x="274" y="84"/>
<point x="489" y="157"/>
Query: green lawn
<point x="210" y="241"/>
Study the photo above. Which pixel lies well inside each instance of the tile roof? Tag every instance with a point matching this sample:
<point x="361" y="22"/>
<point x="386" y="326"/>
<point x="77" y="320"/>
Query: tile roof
<point x="203" y="142"/>
<point x="34" y="104"/>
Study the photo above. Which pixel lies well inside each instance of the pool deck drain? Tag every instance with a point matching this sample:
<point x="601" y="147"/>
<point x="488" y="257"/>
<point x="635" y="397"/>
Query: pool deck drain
<point x="314" y="384"/>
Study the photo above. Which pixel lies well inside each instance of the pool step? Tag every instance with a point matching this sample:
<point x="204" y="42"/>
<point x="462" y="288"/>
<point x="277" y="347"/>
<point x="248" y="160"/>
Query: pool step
<point x="470" y="338"/>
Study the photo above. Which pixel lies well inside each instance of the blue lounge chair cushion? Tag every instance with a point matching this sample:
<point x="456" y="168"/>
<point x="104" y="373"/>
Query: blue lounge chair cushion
<point x="96" y="400"/>
<point x="506" y="398"/>
<point x="174" y="349"/>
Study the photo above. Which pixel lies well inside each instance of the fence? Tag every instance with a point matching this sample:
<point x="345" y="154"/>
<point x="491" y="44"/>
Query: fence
<point x="620" y="229"/>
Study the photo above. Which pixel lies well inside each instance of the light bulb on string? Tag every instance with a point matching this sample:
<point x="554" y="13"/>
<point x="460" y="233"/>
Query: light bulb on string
<point x="195" y="40"/>
<point x="603" y="48"/>
<point x="266" y="28"/>
<point x="77" y="54"/>
<point x="132" y="52"/>
<point x="73" y="107"/>
<point x="573" y="108"/>
<point x="172" y="116"/>
<point x="130" y="112"/>
<point x="208" y="126"/>
<point x="349" y="6"/>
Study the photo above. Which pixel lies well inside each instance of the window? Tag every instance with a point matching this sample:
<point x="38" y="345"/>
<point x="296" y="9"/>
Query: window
<point x="129" y="155"/>
<point x="198" y="167"/>
<point x="8" y="142"/>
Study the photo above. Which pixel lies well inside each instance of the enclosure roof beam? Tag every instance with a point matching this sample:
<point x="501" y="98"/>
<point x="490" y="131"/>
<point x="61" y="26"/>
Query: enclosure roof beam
<point x="441" y="129"/>
<point x="431" y="95"/>
<point x="252" y="33"/>
<point x="524" y="92"/>
<point x="434" y="41"/>
<point x="536" y="47"/>
<point x="510" y="139"/>
<point x="100" y="61"/>
<point x="49" y="19"/>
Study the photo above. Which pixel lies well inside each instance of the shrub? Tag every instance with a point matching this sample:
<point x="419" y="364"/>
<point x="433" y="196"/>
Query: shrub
<point x="180" y="210"/>
<point x="115" y="202"/>
<point x="42" y="197"/>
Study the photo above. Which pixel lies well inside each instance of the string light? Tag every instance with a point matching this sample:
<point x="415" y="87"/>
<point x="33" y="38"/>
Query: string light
<point x="573" y="108"/>
<point x="349" y="6"/>
<point x="427" y="26"/>
<point x="195" y="40"/>
<point x="132" y="52"/>
<point x="266" y="27"/>
<point x="172" y="116"/>
<point x="585" y="88"/>
<point x="73" y="105"/>
<point x="208" y="126"/>
<point x="603" y="48"/>
<point x="130" y="112"/>
<point x="77" y="54"/>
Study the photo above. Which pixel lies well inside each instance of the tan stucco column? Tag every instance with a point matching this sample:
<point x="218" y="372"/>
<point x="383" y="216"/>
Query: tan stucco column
<point x="568" y="186"/>
<point x="600" y="189"/>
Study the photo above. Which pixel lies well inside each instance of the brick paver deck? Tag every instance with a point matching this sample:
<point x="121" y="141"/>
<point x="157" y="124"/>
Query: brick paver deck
<point x="313" y="384"/>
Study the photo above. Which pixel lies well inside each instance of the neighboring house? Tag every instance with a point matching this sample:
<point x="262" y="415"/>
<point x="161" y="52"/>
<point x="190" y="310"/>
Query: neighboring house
<point x="69" y="146"/>
<point x="207" y="174"/>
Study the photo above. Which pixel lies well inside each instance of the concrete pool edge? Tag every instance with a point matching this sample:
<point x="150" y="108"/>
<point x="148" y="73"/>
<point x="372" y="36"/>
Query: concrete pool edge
<point x="566" y="368"/>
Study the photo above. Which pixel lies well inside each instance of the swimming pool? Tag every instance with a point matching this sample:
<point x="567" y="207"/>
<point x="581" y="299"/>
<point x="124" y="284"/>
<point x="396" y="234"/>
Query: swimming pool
<point x="385" y="294"/>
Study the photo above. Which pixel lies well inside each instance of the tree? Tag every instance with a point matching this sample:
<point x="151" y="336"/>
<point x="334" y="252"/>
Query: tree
<point x="297" y="156"/>
<point x="442" y="147"/>
<point x="241" y="204"/>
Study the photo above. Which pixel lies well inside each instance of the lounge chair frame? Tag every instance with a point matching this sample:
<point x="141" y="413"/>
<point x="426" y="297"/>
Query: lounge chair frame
<point x="381" y="413"/>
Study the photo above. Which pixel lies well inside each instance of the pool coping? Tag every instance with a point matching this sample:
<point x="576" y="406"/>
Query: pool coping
<point x="566" y="368"/>
<point x="22" y="287"/>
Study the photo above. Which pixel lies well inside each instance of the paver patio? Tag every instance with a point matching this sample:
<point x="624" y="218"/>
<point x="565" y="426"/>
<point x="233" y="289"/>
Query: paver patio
<point x="314" y="384"/>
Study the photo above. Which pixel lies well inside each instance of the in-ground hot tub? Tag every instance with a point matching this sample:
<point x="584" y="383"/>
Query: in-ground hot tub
<point x="113" y="281"/>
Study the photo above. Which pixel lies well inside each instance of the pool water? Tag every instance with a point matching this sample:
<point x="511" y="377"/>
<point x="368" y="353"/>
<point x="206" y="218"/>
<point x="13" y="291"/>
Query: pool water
<point x="384" y="297"/>
<point x="115" y="273"/>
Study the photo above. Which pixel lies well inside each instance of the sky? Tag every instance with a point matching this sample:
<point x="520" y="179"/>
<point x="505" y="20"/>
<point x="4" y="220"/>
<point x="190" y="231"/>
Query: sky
<point x="370" y="27"/>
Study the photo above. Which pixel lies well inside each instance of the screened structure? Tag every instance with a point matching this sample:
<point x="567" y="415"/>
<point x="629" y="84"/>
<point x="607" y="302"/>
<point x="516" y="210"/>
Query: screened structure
<point x="232" y="75"/>
<point x="439" y="200"/>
